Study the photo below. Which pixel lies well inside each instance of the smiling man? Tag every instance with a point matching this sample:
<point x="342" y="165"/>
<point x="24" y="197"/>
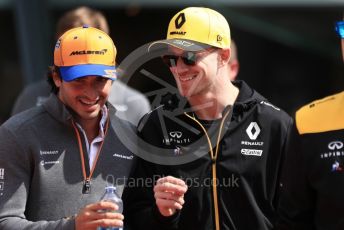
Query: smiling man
<point x="56" y="159"/>
<point x="130" y="104"/>
<point x="234" y="138"/>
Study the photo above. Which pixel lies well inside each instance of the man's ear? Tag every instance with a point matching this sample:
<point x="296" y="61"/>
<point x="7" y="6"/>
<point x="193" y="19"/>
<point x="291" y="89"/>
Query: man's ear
<point x="56" y="78"/>
<point x="225" y="55"/>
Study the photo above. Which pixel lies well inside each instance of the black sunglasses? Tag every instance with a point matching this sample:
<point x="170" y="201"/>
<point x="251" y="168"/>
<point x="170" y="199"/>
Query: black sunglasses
<point x="189" y="58"/>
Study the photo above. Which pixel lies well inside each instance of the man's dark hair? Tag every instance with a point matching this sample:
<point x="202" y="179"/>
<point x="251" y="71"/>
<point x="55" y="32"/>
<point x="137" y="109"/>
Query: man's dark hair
<point x="51" y="71"/>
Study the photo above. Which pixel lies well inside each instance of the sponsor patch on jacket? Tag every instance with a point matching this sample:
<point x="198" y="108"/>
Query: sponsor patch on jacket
<point x="50" y="157"/>
<point x="271" y="105"/>
<point x="252" y="152"/>
<point x="337" y="167"/>
<point x="335" y="149"/>
<point x="123" y="156"/>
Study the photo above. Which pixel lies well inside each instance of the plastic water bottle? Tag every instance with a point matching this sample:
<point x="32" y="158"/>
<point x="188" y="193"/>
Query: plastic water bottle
<point x="110" y="195"/>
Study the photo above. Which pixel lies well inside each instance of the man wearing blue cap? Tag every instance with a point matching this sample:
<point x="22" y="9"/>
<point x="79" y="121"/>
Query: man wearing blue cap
<point x="312" y="194"/>
<point x="56" y="159"/>
<point x="130" y="104"/>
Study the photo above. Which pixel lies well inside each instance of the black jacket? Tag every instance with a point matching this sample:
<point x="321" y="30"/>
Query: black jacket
<point x="313" y="191"/>
<point x="250" y="152"/>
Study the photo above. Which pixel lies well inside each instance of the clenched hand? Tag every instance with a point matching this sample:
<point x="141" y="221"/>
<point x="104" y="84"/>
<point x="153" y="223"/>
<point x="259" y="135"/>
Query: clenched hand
<point x="169" y="195"/>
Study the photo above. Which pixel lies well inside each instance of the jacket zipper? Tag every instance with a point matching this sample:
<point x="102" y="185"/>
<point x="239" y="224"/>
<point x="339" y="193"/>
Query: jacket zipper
<point x="213" y="157"/>
<point x="86" y="188"/>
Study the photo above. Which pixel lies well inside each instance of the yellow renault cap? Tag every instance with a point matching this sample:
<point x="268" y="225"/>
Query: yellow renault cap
<point x="85" y="51"/>
<point x="197" y="28"/>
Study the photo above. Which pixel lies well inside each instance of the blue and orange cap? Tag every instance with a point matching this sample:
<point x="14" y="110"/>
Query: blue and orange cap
<point x="85" y="51"/>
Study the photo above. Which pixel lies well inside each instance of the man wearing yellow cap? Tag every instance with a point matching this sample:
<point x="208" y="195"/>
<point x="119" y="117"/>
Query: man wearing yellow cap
<point x="222" y="157"/>
<point x="56" y="159"/>
<point x="312" y="195"/>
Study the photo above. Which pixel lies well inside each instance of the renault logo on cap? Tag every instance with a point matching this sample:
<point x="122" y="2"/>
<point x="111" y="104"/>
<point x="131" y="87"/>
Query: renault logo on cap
<point x="180" y="20"/>
<point x="253" y="130"/>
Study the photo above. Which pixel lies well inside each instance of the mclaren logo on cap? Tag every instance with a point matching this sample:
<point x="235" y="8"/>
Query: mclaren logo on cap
<point x="84" y="52"/>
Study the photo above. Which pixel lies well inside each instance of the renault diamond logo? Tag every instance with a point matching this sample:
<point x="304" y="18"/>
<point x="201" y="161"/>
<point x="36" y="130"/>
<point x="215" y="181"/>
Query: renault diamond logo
<point x="335" y="145"/>
<point x="180" y="20"/>
<point x="176" y="134"/>
<point x="253" y="130"/>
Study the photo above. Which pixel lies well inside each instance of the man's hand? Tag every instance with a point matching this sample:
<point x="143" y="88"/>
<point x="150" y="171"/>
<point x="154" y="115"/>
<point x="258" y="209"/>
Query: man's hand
<point x="169" y="195"/>
<point x="92" y="216"/>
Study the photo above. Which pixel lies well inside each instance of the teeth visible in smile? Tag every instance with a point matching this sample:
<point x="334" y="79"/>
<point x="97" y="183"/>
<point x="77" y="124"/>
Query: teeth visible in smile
<point x="187" y="78"/>
<point x="89" y="103"/>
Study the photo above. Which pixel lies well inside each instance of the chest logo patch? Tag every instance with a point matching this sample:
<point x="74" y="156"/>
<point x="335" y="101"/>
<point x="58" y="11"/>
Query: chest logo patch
<point x="253" y="130"/>
<point x="337" y="167"/>
<point x="335" y="145"/>
<point x="176" y="134"/>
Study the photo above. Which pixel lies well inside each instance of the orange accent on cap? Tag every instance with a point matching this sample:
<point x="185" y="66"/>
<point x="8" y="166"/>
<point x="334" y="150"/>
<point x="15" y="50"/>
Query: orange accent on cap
<point x="84" y="45"/>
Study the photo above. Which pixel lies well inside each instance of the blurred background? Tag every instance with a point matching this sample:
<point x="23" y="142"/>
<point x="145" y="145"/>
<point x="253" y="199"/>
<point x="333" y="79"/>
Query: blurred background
<point x="288" y="49"/>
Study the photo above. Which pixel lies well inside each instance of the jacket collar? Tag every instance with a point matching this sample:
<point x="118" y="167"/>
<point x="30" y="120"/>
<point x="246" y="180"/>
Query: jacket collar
<point x="246" y="99"/>
<point x="246" y="93"/>
<point x="57" y="109"/>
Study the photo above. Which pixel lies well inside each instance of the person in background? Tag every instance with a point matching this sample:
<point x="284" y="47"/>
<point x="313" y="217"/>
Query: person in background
<point x="131" y="105"/>
<point x="231" y="133"/>
<point x="57" y="158"/>
<point x="312" y="194"/>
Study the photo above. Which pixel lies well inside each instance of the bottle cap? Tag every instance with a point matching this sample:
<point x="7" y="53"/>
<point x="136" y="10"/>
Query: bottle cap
<point x="110" y="187"/>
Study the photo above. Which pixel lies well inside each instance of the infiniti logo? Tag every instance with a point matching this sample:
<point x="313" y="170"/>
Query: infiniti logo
<point x="335" y="145"/>
<point x="176" y="134"/>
